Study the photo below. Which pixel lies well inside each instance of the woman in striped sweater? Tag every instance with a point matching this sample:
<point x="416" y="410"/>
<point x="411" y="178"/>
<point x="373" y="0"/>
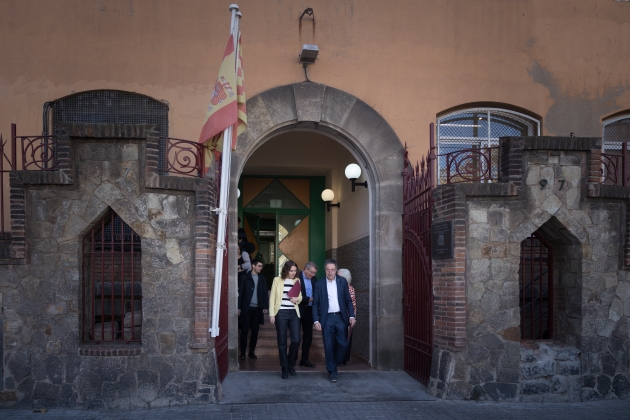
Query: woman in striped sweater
<point x="284" y="313"/>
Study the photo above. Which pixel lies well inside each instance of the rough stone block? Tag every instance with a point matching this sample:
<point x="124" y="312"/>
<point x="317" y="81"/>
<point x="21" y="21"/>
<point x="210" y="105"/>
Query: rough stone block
<point x="480" y="375"/>
<point x="538" y="370"/>
<point x="569" y="368"/>
<point x="559" y="384"/>
<point x="499" y="391"/>
<point x="621" y="386"/>
<point x="535" y="387"/>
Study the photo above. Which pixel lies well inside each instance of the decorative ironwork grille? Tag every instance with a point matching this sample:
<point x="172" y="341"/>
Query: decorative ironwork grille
<point x="22" y="153"/>
<point x="475" y="129"/>
<point x="112" y="283"/>
<point x="418" y="186"/>
<point x="113" y="107"/>
<point x="536" y="289"/>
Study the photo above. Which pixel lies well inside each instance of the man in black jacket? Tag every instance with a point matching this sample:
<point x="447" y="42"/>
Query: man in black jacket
<point x="253" y="302"/>
<point x="307" y="279"/>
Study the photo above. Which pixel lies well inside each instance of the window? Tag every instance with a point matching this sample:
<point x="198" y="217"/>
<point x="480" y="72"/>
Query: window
<point x="535" y="276"/>
<point x="111" y="107"/>
<point x="616" y="131"/>
<point x="479" y="128"/>
<point x="112" y="283"/>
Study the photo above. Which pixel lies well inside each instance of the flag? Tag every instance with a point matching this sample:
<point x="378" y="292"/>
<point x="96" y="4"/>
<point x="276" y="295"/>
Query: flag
<point x="240" y="94"/>
<point x="227" y="107"/>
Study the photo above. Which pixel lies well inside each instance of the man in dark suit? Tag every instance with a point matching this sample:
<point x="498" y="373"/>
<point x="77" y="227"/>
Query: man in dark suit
<point x="253" y="302"/>
<point x="307" y="280"/>
<point x="332" y="312"/>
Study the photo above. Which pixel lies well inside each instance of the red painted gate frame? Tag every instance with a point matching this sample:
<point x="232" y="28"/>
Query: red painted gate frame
<point x="418" y="186"/>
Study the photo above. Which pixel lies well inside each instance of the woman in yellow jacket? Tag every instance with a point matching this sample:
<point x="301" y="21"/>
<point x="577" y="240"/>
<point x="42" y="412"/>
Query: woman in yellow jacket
<point x="284" y="313"/>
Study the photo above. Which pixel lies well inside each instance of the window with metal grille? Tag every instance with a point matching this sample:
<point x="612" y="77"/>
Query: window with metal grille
<point x="112" y="283"/>
<point x="112" y="107"/>
<point x="615" y="132"/>
<point x="535" y="277"/>
<point x="479" y="128"/>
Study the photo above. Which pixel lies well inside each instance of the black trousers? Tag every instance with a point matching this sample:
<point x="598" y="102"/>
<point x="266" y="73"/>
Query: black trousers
<point x="306" y="319"/>
<point x="288" y="319"/>
<point x="250" y="320"/>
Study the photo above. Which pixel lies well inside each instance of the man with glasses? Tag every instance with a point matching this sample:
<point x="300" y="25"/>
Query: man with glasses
<point x="253" y="302"/>
<point x="332" y="313"/>
<point x="307" y="280"/>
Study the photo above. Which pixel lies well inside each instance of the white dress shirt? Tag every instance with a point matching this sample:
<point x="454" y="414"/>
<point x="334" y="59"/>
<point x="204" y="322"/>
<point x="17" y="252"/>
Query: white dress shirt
<point x="333" y="299"/>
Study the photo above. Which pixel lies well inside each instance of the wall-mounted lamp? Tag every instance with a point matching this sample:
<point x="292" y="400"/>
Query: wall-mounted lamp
<point x="238" y="193"/>
<point x="308" y="56"/>
<point x="328" y="196"/>
<point x="353" y="172"/>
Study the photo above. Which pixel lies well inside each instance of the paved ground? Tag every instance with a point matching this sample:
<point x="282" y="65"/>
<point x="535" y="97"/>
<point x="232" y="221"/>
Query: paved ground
<point x="268" y="387"/>
<point x="382" y="395"/>
<point x="434" y="410"/>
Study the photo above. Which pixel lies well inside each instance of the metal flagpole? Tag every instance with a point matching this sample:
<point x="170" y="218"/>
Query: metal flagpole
<point x="226" y="161"/>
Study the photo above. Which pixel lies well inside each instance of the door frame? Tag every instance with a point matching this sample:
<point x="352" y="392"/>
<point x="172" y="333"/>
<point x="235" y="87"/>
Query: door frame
<point x="370" y="139"/>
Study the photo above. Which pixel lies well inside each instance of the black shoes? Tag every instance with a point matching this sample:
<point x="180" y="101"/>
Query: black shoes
<point x="251" y="356"/>
<point x="333" y="377"/>
<point x="285" y="373"/>
<point x="291" y="370"/>
<point x="306" y="363"/>
<point x="242" y="357"/>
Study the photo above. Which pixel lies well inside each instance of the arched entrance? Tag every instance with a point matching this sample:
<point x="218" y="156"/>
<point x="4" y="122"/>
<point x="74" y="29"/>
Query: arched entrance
<point x="369" y="138"/>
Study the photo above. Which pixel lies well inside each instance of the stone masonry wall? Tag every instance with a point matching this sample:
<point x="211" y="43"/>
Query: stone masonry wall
<point x="589" y="356"/>
<point x="45" y="362"/>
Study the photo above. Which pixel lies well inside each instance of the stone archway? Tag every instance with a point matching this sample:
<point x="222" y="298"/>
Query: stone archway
<point x="357" y="126"/>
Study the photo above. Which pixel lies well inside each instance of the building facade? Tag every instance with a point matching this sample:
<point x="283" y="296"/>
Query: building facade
<point x="119" y="83"/>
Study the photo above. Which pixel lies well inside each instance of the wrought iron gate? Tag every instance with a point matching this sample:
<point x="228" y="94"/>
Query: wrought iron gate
<point x="417" y="275"/>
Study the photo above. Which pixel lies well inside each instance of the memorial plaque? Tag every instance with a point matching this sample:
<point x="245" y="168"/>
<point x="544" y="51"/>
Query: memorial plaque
<point x="442" y="240"/>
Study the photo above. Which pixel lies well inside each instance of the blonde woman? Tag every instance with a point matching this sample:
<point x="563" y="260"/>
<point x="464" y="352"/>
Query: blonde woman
<point x="284" y="313"/>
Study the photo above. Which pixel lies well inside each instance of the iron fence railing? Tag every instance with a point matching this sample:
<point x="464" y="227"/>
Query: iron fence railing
<point x="183" y="157"/>
<point x="614" y="168"/>
<point x="22" y="153"/>
<point x="469" y="165"/>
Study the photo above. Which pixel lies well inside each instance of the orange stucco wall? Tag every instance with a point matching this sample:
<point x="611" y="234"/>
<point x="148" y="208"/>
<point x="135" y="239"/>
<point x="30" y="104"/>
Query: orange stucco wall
<point x="565" y="60"/>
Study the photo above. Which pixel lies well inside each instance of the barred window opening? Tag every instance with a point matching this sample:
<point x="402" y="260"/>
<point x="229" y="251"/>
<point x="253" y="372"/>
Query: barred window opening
<point x="479" y="128"/>
<point x="536" y="289"/>
<point x="112" y="283"/>
<point x="615" y="132"/>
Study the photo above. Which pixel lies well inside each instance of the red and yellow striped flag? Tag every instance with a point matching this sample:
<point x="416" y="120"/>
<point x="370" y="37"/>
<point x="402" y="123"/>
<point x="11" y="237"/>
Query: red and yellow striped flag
<point x="227" y="107"/>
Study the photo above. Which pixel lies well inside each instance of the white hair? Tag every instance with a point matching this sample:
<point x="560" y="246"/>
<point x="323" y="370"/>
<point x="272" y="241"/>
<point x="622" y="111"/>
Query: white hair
<point x="344" y="272"/>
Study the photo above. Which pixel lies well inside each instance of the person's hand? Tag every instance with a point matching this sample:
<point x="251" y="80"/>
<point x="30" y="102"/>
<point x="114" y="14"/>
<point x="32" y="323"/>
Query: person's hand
<point x="239" y="312"/>
<point x="265" y="311"/>
<point x="352" y="322"/>
<point x="272" y="319"/>
<point x="318" y="326"/>
<point x="311" y="300"/>
<point x="294" y="300"/>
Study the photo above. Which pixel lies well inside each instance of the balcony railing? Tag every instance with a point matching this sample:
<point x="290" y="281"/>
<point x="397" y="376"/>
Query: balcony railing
<point x="469" y="165"/>
<point x="614" y="168"/>
<point x="22" y="153"/>
<point x="183" y="157"/>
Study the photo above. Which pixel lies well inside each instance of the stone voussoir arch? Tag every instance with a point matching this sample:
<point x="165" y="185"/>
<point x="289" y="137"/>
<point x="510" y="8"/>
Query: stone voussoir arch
<point x="361" y="129"/>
